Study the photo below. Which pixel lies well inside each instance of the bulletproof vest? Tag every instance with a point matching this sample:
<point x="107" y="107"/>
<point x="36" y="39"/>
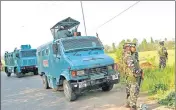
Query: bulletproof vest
<point x="162" y="51"/>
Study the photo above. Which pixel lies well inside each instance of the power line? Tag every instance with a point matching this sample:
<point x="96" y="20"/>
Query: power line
<point x="83" y="18"/>
<point x="118" y="14"/>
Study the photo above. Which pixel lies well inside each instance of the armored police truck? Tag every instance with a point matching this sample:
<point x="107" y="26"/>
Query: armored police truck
<point x="76" y="63"/>
<point x="21" y="61"/>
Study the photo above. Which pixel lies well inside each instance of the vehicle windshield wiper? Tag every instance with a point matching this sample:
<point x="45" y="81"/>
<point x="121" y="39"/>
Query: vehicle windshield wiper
<point x="77" y="50"/>
<point x="93" y="49"/>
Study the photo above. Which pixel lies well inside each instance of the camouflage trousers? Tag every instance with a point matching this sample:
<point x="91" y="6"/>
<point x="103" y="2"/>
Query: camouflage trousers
<point x="132" y="91"/>
<point x="162" y="62"/>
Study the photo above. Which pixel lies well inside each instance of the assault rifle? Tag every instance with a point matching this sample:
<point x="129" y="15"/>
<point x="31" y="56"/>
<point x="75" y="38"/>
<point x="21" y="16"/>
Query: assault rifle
<point x="140" y="76"/>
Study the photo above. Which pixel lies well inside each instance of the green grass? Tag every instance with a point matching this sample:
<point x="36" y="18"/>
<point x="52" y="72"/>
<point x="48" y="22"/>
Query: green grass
<point x="156" y="79"/>
<point x="150" y="54"/>
<point x="160" y="84"/>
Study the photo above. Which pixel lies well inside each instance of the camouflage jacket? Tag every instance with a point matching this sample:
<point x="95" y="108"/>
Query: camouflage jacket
<point x="162" y="51"/>
<point x="131" y="65"/>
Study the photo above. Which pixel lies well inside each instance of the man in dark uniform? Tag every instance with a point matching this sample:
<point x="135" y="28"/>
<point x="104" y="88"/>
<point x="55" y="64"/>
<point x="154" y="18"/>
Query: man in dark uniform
<point x="163" y="55"/>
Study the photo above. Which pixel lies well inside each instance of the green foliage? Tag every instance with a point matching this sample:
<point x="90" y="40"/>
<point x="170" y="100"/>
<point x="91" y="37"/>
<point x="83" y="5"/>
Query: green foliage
<point x="107" y="48"/>
<point x="169" y="100"/>
<point x="151" y="40"/>
<point x="158" y="82"/>
<point x="151" y="60"/>
<point x="119" y="50"/>
<point x="113" y="47"/>
<point x="157" y="79"/>
<point x="141" y="47"/>
<point x="158" y="87"/>
<point x="135" y="40"/>
<point x="144" y="45"/>
<point x="128" y="40"/>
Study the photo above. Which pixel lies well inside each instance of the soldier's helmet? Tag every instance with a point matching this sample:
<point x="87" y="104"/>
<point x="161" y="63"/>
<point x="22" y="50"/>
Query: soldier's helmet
<point x="130" y="46"/>
<point x="161" y="42"/>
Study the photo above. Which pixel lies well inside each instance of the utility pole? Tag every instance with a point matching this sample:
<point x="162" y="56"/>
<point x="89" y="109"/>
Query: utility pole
<point x="83" y="18"/>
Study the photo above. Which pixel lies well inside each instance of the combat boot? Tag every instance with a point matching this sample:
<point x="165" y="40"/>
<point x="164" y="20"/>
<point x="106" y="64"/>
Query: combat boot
<point x="127" y="105"/>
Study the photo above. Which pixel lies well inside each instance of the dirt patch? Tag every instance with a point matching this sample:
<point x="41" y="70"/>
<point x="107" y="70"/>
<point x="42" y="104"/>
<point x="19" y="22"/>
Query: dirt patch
<point x="147" y="65"/>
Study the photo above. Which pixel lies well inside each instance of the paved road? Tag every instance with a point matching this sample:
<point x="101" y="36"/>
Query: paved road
<point x="27" y="93"/>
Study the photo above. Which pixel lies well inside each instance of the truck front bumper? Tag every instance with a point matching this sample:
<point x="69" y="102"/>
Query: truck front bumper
<point x="28" y="68"/>
<point x="88" y="84"/>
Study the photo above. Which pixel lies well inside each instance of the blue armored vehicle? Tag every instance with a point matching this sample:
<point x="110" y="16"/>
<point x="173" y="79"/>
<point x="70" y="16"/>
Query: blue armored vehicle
<point x="75" y="63"/>
<point x="21" y="61"/>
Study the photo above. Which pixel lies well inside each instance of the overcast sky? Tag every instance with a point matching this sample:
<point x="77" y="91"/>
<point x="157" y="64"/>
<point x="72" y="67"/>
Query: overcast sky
<point x="29" y="22"/>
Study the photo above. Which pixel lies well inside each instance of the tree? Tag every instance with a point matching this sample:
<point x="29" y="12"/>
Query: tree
<point x="135" y="40"/>
<point x="128" y="40"/>
<point x="165" y="39"/>
<point x="113" y="47"/>
<point x="107" y="48"/>
<point x="151" y="41"/>
<point x="120" y="50"/>
<point x="156" y="41"/>
<point x="144" y="45"/>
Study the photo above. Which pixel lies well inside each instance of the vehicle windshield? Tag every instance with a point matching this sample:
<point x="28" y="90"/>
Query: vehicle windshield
<point x="81" y="43"/>
<point x="29" y="53"/>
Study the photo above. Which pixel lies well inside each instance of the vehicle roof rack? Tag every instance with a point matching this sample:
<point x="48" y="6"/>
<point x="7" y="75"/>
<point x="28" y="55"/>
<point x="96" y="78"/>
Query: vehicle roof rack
<point x="67" y="23"/>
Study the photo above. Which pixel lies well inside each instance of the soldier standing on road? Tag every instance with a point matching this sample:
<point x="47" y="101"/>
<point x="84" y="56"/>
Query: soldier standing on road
<point x="133" y="73"/>
<point x="163" y="55"/>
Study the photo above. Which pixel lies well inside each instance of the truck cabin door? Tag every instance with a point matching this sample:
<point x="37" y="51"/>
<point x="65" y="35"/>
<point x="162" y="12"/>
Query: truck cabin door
<point x="56" y="58"/>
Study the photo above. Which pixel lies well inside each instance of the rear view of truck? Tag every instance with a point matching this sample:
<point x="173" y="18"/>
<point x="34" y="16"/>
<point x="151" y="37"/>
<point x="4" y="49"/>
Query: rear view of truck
<point x="21" y="61"/>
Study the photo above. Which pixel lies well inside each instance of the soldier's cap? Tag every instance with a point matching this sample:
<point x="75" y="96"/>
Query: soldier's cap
<point x="129" y="44"/>
<point x="161" y="42"/>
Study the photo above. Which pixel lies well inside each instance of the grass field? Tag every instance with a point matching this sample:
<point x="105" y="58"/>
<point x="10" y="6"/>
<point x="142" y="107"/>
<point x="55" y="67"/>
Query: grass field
<point x="143" y="56"/>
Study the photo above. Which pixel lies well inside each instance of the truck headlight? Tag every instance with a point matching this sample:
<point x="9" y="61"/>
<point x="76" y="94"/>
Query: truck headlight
<point x="80" y="73"/>
<point x="77" y="73"/>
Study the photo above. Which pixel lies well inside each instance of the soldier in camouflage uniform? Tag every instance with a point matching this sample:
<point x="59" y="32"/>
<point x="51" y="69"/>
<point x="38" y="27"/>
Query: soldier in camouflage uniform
<point x="133" y="73"/>
<point x="163" y="55"/>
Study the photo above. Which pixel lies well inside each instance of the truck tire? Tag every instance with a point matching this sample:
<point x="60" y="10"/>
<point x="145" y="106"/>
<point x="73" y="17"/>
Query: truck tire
<point x="69" y="94"/>
<point x="7" y="73"/>
<point x="45" y="82"/>
<point x="107" y="87"/>
<point x="5" y="70"/>
<point x="18" y="74"/>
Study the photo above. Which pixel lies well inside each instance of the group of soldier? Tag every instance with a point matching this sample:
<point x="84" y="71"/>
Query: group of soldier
<point x="134" y="74"/>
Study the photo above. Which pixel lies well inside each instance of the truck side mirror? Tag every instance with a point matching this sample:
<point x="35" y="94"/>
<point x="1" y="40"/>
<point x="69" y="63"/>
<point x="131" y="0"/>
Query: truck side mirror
<point x="55" y="48"/>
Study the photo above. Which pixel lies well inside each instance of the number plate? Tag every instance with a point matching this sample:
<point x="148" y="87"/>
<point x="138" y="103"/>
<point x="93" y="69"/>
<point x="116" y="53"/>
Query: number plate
<point x="82" y="84"/>
<point x="114" y="77"/>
